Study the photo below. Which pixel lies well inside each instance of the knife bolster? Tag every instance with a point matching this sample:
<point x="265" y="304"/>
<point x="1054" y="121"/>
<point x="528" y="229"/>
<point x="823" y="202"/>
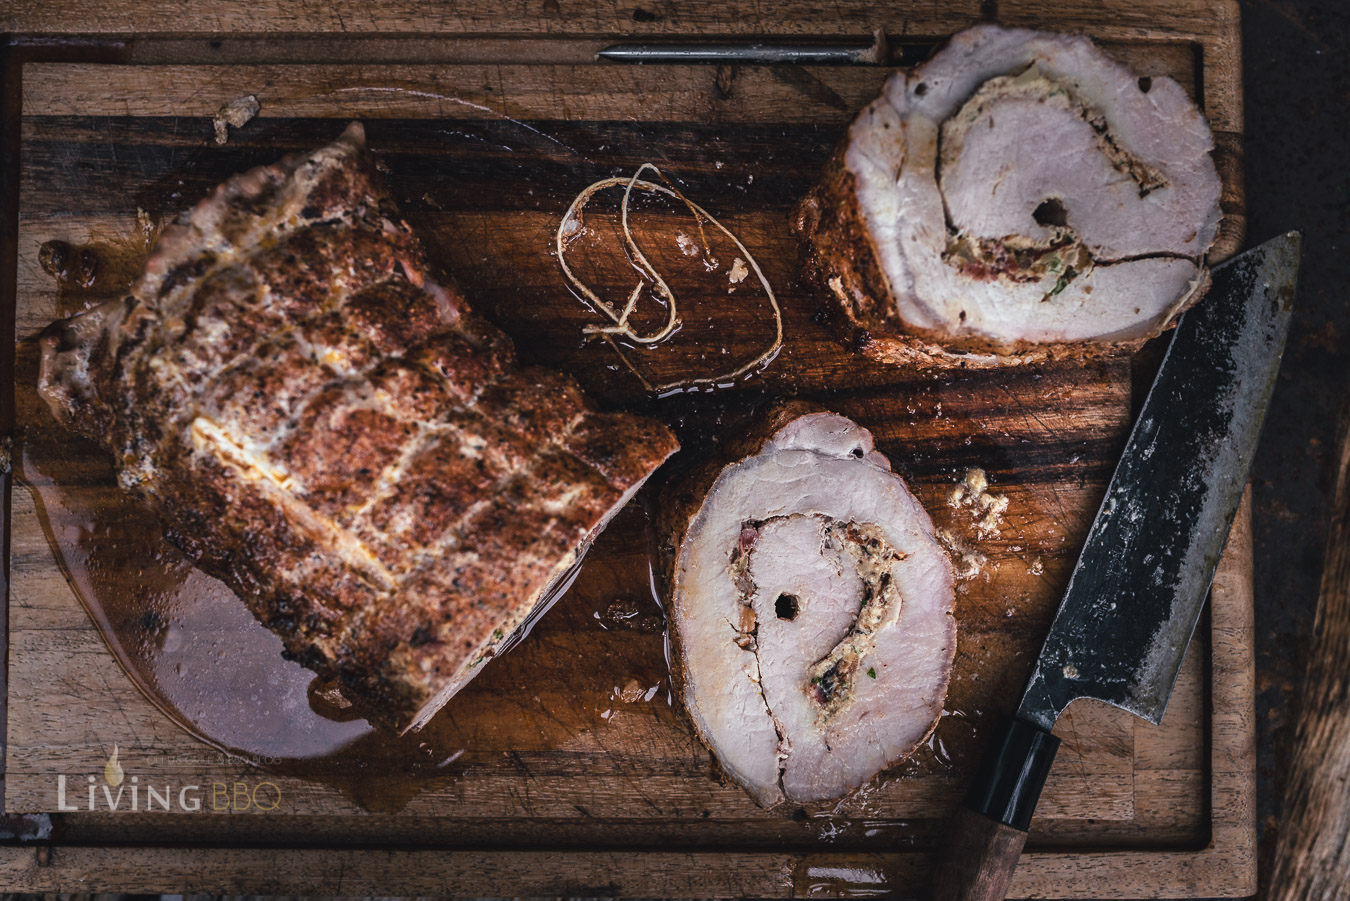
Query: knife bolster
<point x="1009" y="784"/>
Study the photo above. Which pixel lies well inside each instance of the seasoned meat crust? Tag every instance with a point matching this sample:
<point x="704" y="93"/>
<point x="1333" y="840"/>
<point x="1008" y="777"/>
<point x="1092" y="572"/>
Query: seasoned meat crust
<point x="324" y="423"/>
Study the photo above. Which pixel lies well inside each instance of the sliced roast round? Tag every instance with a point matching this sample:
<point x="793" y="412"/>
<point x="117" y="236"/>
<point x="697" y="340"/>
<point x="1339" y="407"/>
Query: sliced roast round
<point x="810" y="608"/>
<point x="1019" y="195"/>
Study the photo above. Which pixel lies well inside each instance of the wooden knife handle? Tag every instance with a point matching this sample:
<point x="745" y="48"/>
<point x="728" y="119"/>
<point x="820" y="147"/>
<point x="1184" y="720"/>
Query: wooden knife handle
<point x="980" y="859"/>
<point x="989" y="830"/>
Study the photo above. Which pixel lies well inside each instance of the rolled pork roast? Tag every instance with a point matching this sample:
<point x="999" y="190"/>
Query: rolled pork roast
<point x="1019" y="196"/>
<point x="322" y="421"/>
<point x="810" y="608"/>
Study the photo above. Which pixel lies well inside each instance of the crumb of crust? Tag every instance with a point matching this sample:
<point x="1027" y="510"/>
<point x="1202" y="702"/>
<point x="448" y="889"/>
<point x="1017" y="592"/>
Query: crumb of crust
<point x="147" y="227"/>
<point x="986" y="508"/>
<point x="238" y="112"/>
<point x="738" y="271"/>
<point x="632" y="692"/>
<point x="966" y="560"/>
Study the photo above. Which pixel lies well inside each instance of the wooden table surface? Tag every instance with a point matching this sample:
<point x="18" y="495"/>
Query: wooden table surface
<point x="489" y="121"/>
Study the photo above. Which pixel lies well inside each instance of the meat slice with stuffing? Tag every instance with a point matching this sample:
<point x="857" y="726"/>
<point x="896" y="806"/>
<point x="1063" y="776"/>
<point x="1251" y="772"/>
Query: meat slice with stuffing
<point x="1019" y="196"/>
<point x="811" y="609"/>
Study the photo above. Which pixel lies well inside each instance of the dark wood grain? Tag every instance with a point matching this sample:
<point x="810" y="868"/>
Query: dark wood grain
<point x="1311" y="858"/>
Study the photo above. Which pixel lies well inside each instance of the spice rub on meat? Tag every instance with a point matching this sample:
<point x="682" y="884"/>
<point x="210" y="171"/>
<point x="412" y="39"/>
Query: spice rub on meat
<point x="324" y="423"/>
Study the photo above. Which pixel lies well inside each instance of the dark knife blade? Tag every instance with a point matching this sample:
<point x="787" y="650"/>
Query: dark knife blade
<point x="1135" y="596"/>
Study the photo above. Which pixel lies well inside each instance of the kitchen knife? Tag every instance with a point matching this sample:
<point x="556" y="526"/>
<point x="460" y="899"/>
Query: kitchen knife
<point x="1135" y="595"/>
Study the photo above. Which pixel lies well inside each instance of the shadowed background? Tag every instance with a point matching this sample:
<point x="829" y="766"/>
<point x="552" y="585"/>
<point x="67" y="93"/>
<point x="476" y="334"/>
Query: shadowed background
<point x="1297" y="80"/>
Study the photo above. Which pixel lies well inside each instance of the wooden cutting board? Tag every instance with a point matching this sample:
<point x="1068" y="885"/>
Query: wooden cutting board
<point x="578" y="774"/>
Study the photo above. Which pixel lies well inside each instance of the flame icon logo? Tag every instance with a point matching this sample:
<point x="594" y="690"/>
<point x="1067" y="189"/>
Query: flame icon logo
<point x="112" y="771"/>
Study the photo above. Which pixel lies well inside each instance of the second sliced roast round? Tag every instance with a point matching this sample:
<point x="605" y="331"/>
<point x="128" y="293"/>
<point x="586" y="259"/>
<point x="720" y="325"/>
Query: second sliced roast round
<point x="810" y="608"/>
